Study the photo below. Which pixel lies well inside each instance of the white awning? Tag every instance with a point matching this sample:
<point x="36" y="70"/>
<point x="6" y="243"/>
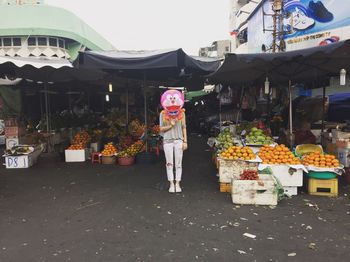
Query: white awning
<point x="37" y="62"/>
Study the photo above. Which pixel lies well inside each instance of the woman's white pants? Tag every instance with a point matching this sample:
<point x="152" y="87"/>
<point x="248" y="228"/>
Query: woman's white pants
<point x="171" y="150"/>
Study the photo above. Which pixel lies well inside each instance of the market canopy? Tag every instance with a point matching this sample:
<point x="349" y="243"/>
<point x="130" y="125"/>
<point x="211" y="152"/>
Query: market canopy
<point x="45" y="69"/>
<point x="195" y="94"/>
<point x="307" y="65"/>
<point x="153" y="65"/>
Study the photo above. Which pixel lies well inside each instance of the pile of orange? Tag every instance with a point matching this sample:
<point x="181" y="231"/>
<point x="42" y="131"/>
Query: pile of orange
<point x="279" y="154"/>
<point x="109" y="150"/>
<point x="78" y="146"/>
<point x="81" y="138"/>
<point x="320" y="160"/>
<point x="238" y="152"/>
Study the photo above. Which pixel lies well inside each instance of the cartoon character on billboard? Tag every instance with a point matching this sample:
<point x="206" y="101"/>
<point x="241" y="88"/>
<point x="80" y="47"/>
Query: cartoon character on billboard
<point x="303" y="16"/>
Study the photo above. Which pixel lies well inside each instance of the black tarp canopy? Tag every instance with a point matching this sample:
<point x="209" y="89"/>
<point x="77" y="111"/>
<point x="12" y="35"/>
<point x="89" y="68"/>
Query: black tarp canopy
<point x="310" y="65"/>
<point x="154" y="65"/>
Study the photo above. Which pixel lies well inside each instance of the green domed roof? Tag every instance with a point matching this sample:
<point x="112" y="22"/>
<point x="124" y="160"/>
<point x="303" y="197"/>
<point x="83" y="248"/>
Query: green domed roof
<point x="45" y="20"/>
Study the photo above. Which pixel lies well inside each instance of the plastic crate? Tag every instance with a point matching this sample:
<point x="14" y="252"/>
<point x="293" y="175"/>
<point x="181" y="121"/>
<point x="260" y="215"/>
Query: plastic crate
<point x="322" y="187"/>
<point x="321" y="175"/>
<point x="225" y="187"/>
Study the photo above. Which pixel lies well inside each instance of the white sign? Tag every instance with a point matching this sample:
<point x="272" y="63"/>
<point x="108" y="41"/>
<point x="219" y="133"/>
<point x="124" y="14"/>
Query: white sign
<point x="18" y="161"/>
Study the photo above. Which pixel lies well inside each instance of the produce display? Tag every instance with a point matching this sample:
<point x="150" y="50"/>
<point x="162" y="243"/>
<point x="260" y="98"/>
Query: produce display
<point x="81" y="139"/>
<point x="305" y="149"/>
<point x="238" y="153"/>
<point x="249" y="175"/>
<point x="19" y="150"/>
<point x="318" y="159"/>
<point x="109" y="150"/>
<point x="225" y="139"/>
<point x="257" y="137"/>
<point x="136" y="128"/>
<point x="78" y="146"/>
<point x="279" y="154"/>
<point x="132" y="150"/>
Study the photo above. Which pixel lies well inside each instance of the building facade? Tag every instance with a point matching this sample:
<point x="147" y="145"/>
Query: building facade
<point x="218" y="49"/>
<point x="34" y="29"/>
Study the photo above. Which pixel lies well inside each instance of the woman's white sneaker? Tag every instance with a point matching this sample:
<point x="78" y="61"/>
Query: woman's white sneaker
<point x="172" y="188"/>
<point x="178" y="188"/>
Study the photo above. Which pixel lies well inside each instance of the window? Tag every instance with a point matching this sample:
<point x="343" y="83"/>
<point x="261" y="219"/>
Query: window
<point x="61" y="43"/>
<point x="16" y="41"/>
<point x="42" y="41"/>
<point x="32" y="41"/>
<point x="53" y="42"/>
<point x="7" y="41"/>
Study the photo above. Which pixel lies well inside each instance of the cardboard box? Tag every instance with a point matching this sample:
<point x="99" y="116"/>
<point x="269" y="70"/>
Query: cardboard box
<point x="255" y="192"/>
<point x="76" y="155"/>
<point x="13" y="131"/>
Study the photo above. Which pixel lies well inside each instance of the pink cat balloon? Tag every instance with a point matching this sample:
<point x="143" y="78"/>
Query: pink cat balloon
<point x="173" y="101"/>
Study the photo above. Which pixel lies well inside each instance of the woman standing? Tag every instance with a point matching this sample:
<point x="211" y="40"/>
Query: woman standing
<point x="172" y="122"/>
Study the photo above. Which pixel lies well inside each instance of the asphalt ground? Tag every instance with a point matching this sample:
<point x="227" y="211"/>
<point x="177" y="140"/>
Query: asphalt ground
<point x="56" y="211"/>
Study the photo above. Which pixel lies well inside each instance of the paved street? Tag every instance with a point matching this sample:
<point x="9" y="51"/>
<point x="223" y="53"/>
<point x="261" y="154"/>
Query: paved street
<point x="83" y="212"/>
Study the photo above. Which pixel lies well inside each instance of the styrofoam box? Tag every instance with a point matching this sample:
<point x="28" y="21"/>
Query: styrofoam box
<point x="288" y="176"/>
<point x="290" y="190"/>
<point x="344" y="156"/>
<point x="23" y="161"/>
<point x="232" y="169"/>
<point x="76" y="155"/>
<point x="255" y="192"/>
<point x="2" y="140"/>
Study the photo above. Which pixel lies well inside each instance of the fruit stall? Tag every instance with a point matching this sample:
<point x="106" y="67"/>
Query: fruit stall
<point x="118" y="146"/>
<point x="256" y="169"/>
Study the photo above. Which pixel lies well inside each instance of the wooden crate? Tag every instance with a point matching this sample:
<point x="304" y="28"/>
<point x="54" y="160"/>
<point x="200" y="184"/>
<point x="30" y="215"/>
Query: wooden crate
<point x="255" y="192"/>
<point x="225" y="187"/>
<point x="323" y="187"/>
<point x="232" y="169"/>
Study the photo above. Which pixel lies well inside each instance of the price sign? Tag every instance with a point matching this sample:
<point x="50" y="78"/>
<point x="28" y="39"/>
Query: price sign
<point x="17" y="161"/>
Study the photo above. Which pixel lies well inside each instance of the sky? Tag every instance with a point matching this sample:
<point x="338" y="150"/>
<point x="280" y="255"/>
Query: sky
<point x="154" y="24"/>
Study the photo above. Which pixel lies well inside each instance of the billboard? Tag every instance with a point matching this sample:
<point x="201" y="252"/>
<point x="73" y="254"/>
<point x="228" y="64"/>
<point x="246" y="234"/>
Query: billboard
<point x="306" y="23"/>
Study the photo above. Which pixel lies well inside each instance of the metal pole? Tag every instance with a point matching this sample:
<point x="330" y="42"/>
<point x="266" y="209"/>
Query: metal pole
<point x="323" y="113"/>
<point x="127" y="105"/>
<point x="46" y="108"/>
<point x="145" y="107"/>
<point x="290" y="115"/>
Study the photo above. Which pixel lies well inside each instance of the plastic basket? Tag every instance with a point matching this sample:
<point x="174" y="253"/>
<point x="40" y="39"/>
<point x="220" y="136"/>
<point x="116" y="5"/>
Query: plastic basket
<point x="126" y="161"/>
<point x="322" y="175"/>
<point x="108" y="160"/>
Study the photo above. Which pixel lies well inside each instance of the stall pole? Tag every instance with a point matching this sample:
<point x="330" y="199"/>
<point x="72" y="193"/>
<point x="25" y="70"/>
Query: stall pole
<point x="323" y="113"/>
<point x="290" y="115"/>
<point x="145" y="107"/>
<point x="46" y="108"/>
<point x="127" y="106"/>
